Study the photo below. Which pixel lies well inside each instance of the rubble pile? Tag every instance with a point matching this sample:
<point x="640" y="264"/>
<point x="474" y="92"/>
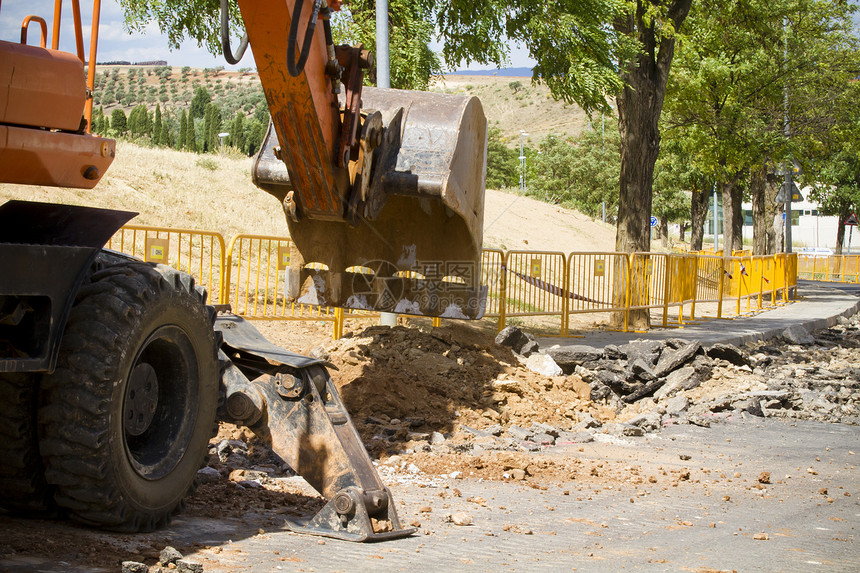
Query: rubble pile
<point x="423" y="398"/>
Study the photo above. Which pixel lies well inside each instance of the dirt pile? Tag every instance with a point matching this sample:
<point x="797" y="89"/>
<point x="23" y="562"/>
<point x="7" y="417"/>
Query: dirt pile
<point x="446" y="380"/>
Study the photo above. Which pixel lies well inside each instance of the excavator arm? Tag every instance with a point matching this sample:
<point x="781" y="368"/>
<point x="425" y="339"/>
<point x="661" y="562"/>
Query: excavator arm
<point x="383" y="189"/>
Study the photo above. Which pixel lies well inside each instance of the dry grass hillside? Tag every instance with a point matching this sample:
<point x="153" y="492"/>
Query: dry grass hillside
<point x="513" y="104"/>
<point x="215" y="193"/>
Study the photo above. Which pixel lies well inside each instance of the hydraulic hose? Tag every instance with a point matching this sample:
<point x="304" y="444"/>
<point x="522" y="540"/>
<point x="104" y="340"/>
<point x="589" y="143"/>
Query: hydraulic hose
<point x="296" y="67"/>
<point x="225" y="38"/>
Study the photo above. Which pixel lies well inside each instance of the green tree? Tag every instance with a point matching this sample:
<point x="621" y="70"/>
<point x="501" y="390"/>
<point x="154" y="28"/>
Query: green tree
<point x="118" y="122"/>
<point x="502" y="162"/>
<point x="183" y="131"/>
<point x="582" y="174"/>
<point x="199" y="102"/>
<point x="191" y="135"/>
<point x="237" y="131"/>
<point x="137" y="121"/>
<point x="156" y="127"/>
<point x="412" y="61"/>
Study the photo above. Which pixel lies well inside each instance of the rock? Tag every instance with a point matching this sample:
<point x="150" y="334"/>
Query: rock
<point x="624" y="430"/>
<point x="569" y="357"/>
<point x="586" y="422"/>
<point x="461" y="518"/>
<point x="583" y="437"/>
<point x="437" y="438"/>
<point x="644" y="391"/>
<point x="530" y="348"/>
<point x="797" y="334"/>
<point x="648" y="350"/>
<point x="642" y="370"/>
<point x="599" y="391"/>
<point x="208" y="475"/>
<point x="683" y="379"/>
<point x="671" y="360"/>
<point x="728" y="352"/>
<point x="169" y="555"/>
<point x="512" y="386"/>
<point x="538" y="427"/>
<point x="544" y="365"/>
<point x="134" y="567"/>
<point x="518" y="474"/>
<point x="190" y="566"/>
<point x="475" y="431"/>
<point x="544" y="439"/>
<point x="677" y="405"/>
<point x="495" y="430"/>
<point x="647" y="422"/>
<point x="520" y="433"/>
<point x="512" y="337"/>
<point x="612" y="352"/>
<point x="761" y="537"/>
<point x="764" y="477"/>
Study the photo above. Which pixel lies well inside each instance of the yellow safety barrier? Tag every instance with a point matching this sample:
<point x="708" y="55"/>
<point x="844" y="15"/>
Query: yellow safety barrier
<point x="198" y="253"/>
<point x="535" y="285"/>
<point x="251" y="275"/>
<point x="833" y="268"/>
<point x="597" y="283"/>
<point x="492" y="264"/>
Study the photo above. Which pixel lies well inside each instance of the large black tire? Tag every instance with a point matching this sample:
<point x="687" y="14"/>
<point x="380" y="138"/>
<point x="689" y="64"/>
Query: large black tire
<point x="22" y="476"/>
<point x="127" y="415"/>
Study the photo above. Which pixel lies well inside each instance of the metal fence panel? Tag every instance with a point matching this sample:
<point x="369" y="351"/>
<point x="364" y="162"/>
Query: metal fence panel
<point x="198" y="253"/>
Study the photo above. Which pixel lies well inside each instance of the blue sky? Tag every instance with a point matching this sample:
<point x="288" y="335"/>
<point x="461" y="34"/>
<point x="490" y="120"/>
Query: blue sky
<point x="116" y="44"/>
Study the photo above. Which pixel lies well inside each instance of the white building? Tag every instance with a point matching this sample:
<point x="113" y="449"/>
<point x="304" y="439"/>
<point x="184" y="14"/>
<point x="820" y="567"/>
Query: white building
<point x="808" y="228"/>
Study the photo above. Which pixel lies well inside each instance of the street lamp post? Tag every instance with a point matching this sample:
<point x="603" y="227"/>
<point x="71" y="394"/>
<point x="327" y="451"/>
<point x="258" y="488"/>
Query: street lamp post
<point x="523" y="134"/>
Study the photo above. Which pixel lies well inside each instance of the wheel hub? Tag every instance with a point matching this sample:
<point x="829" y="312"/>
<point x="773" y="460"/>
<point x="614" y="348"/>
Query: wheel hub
<point x="141" y="400"/>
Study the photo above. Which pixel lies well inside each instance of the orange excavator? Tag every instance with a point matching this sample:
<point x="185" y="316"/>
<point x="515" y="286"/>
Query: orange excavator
<point x="113" y="371"/>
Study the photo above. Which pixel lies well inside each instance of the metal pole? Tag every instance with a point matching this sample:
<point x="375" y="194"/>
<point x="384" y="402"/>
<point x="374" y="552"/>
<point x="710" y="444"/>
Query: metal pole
<point x="383" y="80"/>
<point x="789" y="184"/>
<point x="716" y="233"/>
<point x="383" y="71"/>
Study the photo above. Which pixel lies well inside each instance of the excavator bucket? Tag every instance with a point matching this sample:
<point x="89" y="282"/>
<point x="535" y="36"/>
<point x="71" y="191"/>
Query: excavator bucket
<point x="412" y="245"/>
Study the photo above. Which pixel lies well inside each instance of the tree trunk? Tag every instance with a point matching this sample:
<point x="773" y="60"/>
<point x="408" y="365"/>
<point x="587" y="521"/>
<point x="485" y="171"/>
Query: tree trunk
<point x="772" y="211"/>
<point x="844" y="213"/>
<point x="664" y="232"/>
<point x="682" y="231"/>
<point x="639" y="106"/>
<point x="733" y="216"/>
<point x="698" y="214"/>
<point x="758" y="191"/>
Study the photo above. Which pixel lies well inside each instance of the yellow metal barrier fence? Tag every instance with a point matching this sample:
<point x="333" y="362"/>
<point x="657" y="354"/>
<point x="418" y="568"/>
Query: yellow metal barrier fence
<point x="252" y="275"/>
<point x="198" y="253"/>
<point x="535" y="285"/>
<point x="834" y="268"/>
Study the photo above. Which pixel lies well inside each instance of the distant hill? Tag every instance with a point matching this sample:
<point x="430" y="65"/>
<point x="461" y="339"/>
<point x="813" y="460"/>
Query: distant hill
<point x="514" y="103"/>
<point x="504" y="72"/>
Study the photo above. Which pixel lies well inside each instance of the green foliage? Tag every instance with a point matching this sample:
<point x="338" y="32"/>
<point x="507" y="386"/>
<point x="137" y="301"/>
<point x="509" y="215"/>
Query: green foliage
<point x="118" y="122"/>
<point x="138" y="121"/>
<point x="207" y="163"/>
<point x="582" y="174"/>
<point x="503" y="166"/>
<point x="199" y="102"/>
<point x="413" y="63"/>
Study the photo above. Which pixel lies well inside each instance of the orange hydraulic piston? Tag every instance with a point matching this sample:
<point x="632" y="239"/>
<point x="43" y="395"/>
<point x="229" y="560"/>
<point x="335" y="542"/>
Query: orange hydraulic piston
<point x="305" y="112"/>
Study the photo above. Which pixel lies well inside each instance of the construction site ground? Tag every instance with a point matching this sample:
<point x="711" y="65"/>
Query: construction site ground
<point x="716" y="485"/>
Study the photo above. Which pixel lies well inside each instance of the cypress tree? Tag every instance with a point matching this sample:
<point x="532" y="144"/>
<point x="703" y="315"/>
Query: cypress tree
<point x="191" y="135"/>
<point x="156" y="127"/>
<point x="183" y="131"/>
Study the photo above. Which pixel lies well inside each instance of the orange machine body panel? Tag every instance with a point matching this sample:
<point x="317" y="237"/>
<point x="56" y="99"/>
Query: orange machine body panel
<point x="41" y="87"/>
<point x="41" y="157"/>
